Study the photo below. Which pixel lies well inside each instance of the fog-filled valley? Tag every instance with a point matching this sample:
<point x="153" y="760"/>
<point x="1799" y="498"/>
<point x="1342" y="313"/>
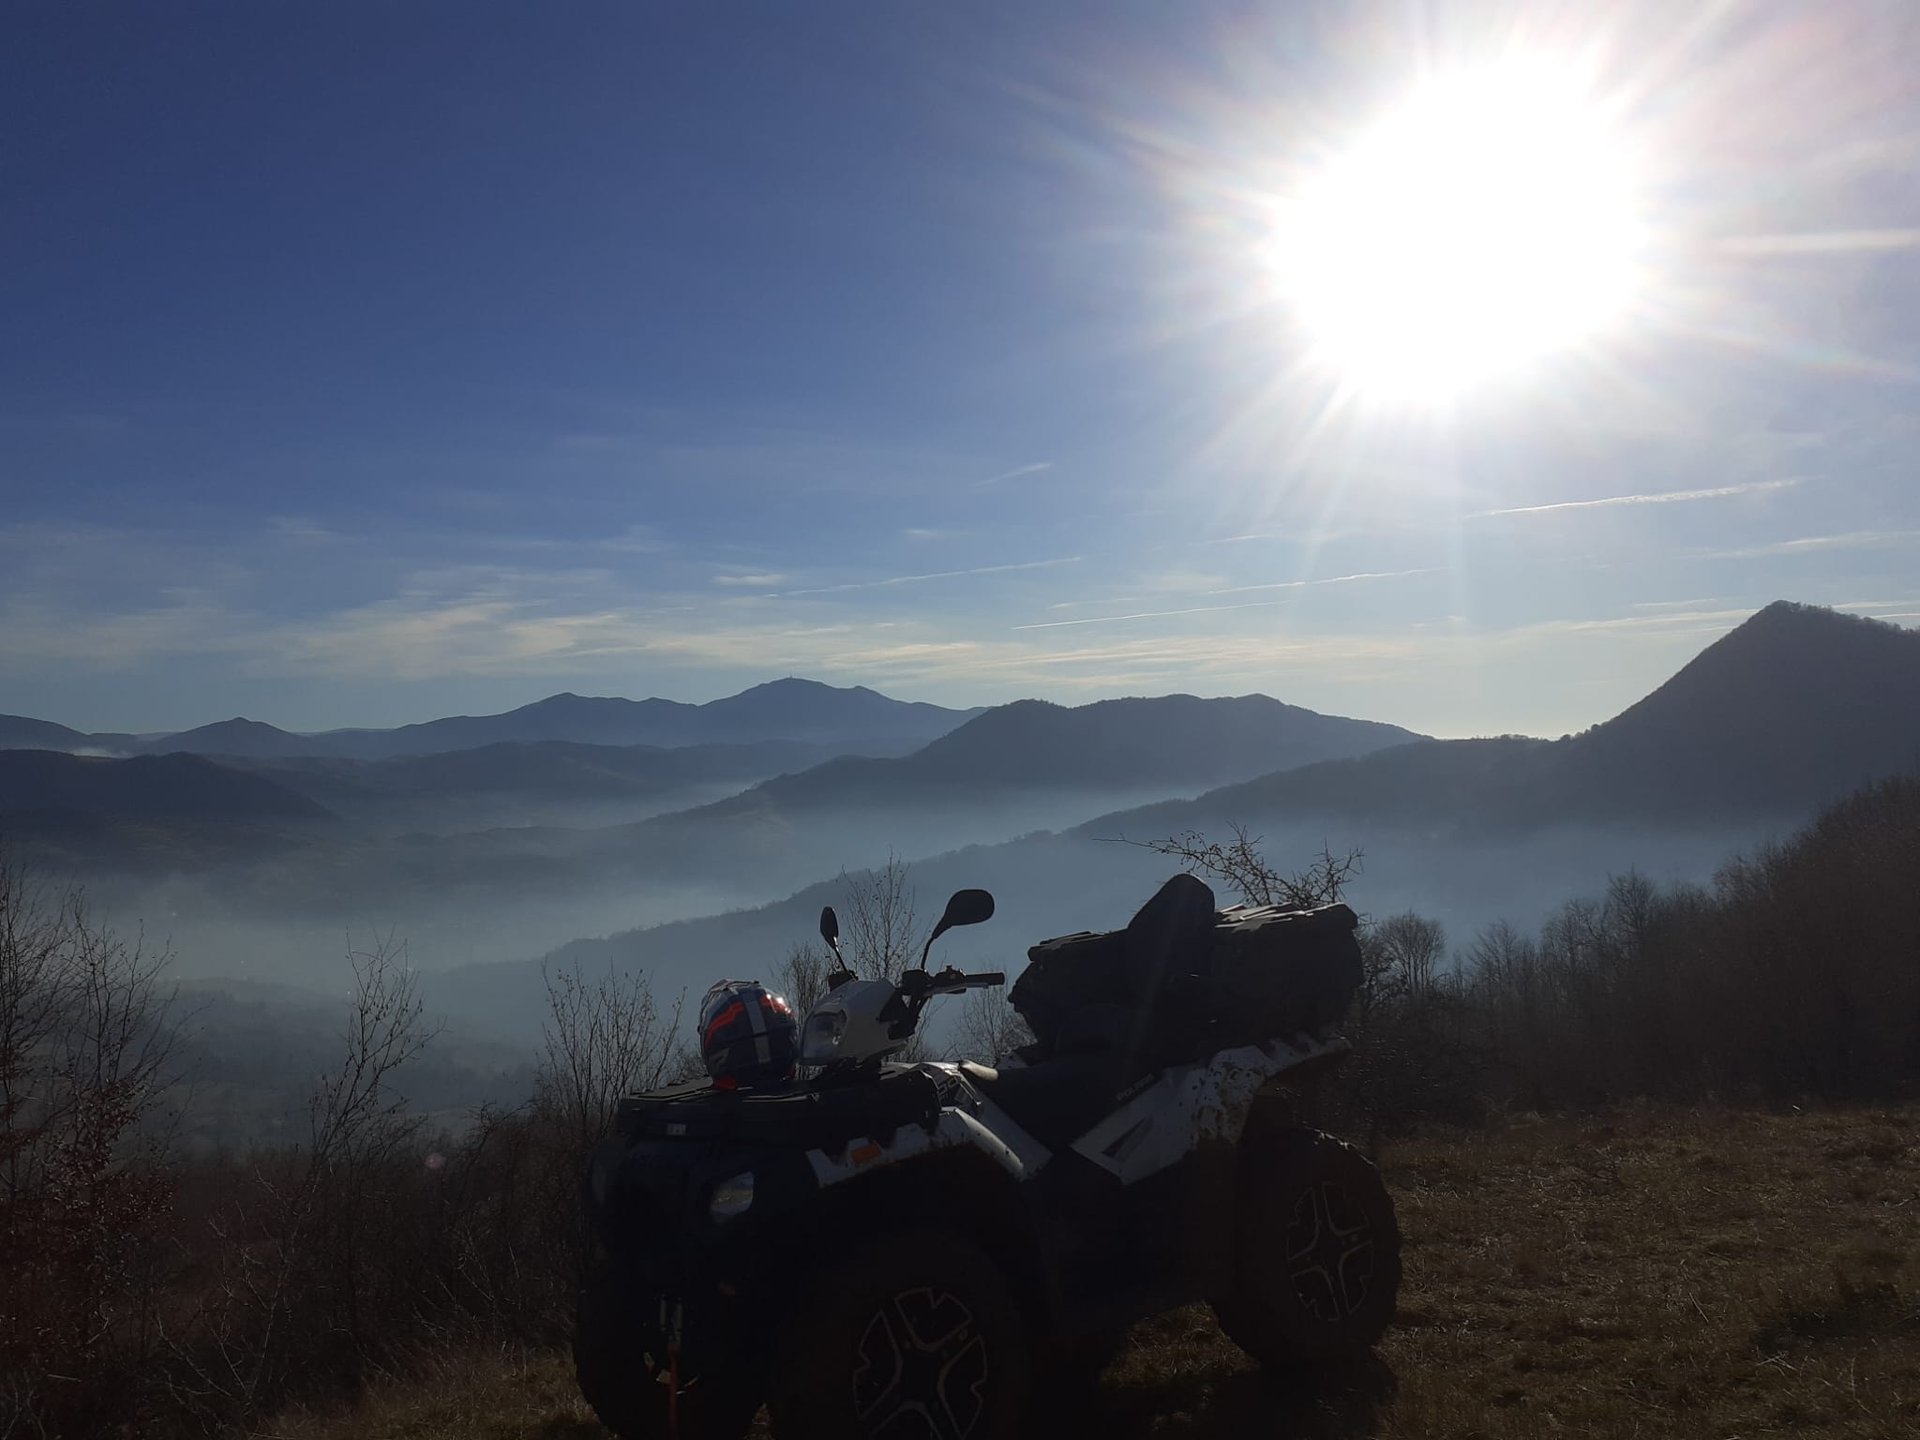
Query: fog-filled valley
<point x="533" y="842"/>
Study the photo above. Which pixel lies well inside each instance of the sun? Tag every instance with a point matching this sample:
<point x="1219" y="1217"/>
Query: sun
<point x="1486" y="223"/>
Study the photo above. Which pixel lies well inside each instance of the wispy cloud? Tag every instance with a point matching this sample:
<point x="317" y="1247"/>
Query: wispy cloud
<point x="1811" y="545"/>
<point x="1683" y="621"/>
<point x="1657" y="497"/>
<point x="1147" y="615"/>
<point x="37" y="635"/>
<point x="1822" y="242"/>
<point x="888" y="580"/>
<point x="1014" y="474"/>
<point x="752" y="582"/>
<point x="1331" y="580"/>
<point x="1237" y="605"/>
<point x="1865" y="606"/>
<point x="1677" y="604"/>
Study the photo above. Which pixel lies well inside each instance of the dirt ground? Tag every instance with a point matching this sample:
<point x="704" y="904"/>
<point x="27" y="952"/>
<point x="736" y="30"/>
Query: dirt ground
<point x="1707" y="1273"/>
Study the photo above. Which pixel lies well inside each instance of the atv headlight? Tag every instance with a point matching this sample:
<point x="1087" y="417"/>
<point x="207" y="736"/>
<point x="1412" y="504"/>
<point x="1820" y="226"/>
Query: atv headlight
<point x="731" y="1198"/>
<point x="820" y="1041"/>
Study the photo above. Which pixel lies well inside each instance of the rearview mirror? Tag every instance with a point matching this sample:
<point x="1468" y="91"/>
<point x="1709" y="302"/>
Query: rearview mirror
<point x="966" y="907"/>
<point x="830" y="927"/>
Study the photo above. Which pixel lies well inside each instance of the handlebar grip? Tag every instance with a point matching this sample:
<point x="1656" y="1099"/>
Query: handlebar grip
<point x="990" y="977"/>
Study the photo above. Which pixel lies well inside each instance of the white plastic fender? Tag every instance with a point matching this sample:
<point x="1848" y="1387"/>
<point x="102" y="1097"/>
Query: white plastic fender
<point x="1190" y="1104"/>
<point x="954" y="1128"/>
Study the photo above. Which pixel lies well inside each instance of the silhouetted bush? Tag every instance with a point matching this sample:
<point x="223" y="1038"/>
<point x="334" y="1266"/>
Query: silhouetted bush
<point x="1796" y="974"/>
<point x="85" y="1202"/>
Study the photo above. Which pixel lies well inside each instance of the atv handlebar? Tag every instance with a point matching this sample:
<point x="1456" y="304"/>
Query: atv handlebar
<point x="918" y="983"/>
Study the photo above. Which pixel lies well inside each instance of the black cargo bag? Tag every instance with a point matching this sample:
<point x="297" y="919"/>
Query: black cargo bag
<point x="1279" y="972"/>
<point x="1182" y="977"/>
<point x="1076" y="987"/>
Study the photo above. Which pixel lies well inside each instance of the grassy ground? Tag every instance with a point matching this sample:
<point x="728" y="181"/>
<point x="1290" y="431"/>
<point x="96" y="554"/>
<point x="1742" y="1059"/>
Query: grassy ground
<point x="1706" y="1274"/>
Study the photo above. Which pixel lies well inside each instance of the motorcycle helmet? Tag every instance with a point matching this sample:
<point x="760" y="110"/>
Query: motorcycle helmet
<point x="748" y="1035"/>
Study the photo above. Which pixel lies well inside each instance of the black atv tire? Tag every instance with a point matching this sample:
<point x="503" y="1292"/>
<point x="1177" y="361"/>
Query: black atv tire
<point x="1326" y="1293"/>
<point x="916" y="1335"/>
<point x="625" y="1393"/>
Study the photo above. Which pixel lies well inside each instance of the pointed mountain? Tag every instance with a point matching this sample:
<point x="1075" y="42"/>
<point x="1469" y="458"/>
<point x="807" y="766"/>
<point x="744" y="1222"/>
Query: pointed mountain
<point x="1796" y="707"/>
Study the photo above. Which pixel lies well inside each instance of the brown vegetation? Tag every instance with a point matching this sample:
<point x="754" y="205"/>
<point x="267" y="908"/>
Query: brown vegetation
<point x="1644" y="1272"/>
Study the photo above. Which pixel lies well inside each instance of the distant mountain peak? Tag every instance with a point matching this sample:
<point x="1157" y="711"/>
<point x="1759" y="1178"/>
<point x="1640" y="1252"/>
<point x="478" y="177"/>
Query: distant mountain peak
<point x="1782" y="647"/>
<point x="796" y="682"/>
<point x="1797" y="704"/>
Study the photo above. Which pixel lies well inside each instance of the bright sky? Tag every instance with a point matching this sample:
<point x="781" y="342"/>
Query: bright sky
<point x="370" y="362"/>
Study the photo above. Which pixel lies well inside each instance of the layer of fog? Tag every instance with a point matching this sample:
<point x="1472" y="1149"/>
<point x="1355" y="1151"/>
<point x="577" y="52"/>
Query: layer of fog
<point x="1054" y="884"/>
<point x="266" y="995"/>
<point x="515" y="894"/>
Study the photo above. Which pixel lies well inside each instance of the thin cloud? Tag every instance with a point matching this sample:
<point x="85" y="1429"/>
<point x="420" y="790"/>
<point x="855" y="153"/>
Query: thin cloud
<point x="1822" y="242"/>
<point x="1811" y="545"/>
<point x="751" y="581"/>
<point x="1331" y="580"/>
<point x="917" y="579"/>
<point x="1877" y="604"/>
<point x="1679" y="604"/>
<point x="1658" y="497"/>
<point x="1148" y="615"/>
<point x="1238" y="605"/>
<point x="1682" y="621"/>
<point x="1014" y="474"/>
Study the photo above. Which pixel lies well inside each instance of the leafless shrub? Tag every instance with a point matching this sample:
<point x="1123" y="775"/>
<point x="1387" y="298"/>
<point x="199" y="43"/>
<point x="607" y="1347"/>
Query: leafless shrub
<point x="881" y="937"/>
<point x="602" y="1039"/>
<point x="988" y="1028"/>
<point x="84" y="1198"/>
<point x="1243" y="868"/>
<point x="801" y="977"/>
<point x="313" y="1264"/>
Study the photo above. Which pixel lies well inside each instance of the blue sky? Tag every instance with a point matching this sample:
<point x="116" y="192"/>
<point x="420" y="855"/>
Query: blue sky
<point x="368" y="362"/>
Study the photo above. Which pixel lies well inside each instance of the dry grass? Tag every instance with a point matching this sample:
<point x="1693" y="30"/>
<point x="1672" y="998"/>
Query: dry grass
<point x="1702" y="1274"/>
<point x="512" y="1395"/>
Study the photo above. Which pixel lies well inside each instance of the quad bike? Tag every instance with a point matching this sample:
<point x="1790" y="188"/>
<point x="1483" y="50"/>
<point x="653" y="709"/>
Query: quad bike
<point x="884" y="1249"/>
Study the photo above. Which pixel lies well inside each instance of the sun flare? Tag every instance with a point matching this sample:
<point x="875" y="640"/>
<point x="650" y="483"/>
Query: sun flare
<point x="1487" y="222"/>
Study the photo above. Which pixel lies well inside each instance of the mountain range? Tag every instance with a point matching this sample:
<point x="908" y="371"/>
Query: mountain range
<point x="1032" y="747"/>
<point x="1112" y="746"/>
<point x="852" y="720"/>
<point x="1793" y="709"/>
<point x="511" y="846"/>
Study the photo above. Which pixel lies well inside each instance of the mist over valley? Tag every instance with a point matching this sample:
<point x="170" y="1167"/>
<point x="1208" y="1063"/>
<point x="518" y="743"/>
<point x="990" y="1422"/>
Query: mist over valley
<point x="684" y="863"/>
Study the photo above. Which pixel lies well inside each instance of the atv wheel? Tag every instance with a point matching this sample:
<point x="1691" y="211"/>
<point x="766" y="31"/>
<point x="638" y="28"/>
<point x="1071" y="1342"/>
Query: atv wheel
<point x="611" y="1363"/>
<point x="917" y="1337"/>
<point x="1319" y="1253"/>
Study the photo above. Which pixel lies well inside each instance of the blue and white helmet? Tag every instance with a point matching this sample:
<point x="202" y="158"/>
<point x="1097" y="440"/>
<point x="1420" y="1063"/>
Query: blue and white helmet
<point x="748" y="1035"/>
